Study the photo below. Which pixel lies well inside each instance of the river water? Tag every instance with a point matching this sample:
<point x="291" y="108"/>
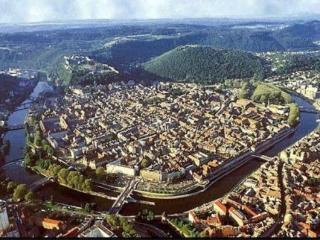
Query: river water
<point x="12" y="168"/>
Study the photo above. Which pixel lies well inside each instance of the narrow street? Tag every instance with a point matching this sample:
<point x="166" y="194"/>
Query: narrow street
<point x="280" y="220"/>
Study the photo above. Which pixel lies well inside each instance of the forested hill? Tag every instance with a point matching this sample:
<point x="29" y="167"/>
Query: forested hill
<point x="205" y="65"/>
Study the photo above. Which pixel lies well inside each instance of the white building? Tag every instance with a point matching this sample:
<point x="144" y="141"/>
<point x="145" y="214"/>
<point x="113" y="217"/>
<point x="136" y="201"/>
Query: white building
<point x="98" y="230"/>
<point x="4" y="220"/>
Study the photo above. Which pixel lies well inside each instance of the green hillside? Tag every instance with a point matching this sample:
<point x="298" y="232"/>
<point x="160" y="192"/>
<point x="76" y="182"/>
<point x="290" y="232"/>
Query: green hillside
<point x="205" y="65"/>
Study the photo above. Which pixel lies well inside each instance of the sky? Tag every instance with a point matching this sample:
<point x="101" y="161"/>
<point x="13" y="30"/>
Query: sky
<point x="22" y="11"/>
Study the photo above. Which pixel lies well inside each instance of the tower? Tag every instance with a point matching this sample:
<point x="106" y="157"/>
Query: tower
<point x="4" y="220"/>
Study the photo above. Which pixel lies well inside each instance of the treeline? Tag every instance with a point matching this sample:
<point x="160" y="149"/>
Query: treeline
<point x="300" y="62"/>
<point x="135" y="51"/>
<point x="38" y="159"/>
<point x="267" y="93"/>
<point x="121" y="225"/>
<point x="73" y="179"/>
<point x="186" y="229"/>
<point x="205" y="65"/>
<point x="264" y="93"/>
<point x="45" y="49"/>
<point x="298" y="36"/>
<point x="243" y="39"/>
<point x="18" y="192"/>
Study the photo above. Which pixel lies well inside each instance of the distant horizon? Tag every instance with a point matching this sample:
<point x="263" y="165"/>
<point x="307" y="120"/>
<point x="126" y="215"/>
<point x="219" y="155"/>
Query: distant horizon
<point x="47" y="11"/>
<point x="315" y="17"/>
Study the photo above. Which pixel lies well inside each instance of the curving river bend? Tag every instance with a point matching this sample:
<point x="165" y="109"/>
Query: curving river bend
<point x="12" y="168"/>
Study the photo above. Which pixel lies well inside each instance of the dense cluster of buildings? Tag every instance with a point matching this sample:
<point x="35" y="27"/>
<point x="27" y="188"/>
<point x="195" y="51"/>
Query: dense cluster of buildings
<point x="17" y="220"/>
<point x="248" y="211"/>
<point x="280" y="199"/>
<point x="20" y="73"/>
<point x="302" y="187"/>
<point x="161" y="132"/>
<point x="86" y="64"/>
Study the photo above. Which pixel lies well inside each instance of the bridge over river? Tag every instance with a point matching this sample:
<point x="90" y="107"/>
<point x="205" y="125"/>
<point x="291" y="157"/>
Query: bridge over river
<point x="123" y="197"/>
<point x="308" y="110"/>
<point x="13" y="162"/>
<point x="264" y="157"/>
<point x="40" y="183"/>
<point x="14" y="127"/>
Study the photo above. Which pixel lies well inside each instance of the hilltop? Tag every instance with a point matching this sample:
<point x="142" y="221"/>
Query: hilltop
<point x="205" y="64"/>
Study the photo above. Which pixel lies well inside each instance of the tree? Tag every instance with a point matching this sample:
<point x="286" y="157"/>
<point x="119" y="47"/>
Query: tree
<point x="47" y="148"/>
<point x="112" y="220"/>
<point x="294" y="114"/>
<point x="268" y="92"/>
<point x="87" y="185"/>
<point x="19" y="193"/>
<point x="264" y="99"/>
<point x="28" y="160"/>
<point x="11" y="186"/>
<point x="150" y="216"/>
<point x="146" y="214"/>
<point x="54" y="169"/>
<point x="128" y="228"/>
<point x="122" y="220"/>
<point x="37" y="138"/>
<point x="62" y="175"/>
<point x="100" y="172"/>
<point x="29" y="139"/>
<point x="29" y="197"/>
<point x="258" y="76"/>
<point x="72" y="178"/>
<point x="245" y="92"/>
<point x="44" y="164"/>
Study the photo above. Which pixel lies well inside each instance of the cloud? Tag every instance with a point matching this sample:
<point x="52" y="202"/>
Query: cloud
<point x="49" y="10"/>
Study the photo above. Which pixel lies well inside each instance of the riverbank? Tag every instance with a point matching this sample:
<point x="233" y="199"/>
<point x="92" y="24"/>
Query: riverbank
<point x="197" y="189"/>
<point x="314" y="103"/>
<point x="92" y="193"/>
<point x="225" y="170"/>
<point x="10" y="108"/>
<point x="171" y="206"/>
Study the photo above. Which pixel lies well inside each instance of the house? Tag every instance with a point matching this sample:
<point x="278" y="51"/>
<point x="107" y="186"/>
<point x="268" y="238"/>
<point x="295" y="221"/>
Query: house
<point x="249" y="211"/>
<point x="244" y="104"/>
<point x="193" y="218"/>
<point x="237" y="216"/>
<point x="220" y="208"/>
<point x="214" y="221"/>
<point x="229" y="231"/>
<point x="52" y="224"/>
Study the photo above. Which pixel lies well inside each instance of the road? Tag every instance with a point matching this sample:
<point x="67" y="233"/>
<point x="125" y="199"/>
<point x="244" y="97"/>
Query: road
<point x="118" y="204"/>
<point x="283" y="208"/>
<point x="148" y="230"/>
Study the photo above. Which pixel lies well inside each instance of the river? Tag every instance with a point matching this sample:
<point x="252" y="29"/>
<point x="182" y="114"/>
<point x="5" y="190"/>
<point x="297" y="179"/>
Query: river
<point x="12" y="168"/>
